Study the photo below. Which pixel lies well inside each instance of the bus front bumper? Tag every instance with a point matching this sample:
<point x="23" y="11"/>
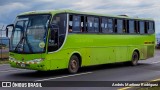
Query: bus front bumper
<point x="32" y="65"/>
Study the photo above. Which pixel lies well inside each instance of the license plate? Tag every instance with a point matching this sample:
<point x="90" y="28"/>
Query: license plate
<point x="23" y="65"/>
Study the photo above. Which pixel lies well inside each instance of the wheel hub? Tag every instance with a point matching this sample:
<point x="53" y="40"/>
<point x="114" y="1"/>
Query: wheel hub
<point x="73" y="64"/>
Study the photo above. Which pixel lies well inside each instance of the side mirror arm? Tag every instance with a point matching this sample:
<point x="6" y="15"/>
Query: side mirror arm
<point x="10" y="25"/>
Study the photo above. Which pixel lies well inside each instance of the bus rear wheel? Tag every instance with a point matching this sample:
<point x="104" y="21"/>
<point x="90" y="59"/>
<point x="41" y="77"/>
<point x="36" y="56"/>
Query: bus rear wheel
<point x="135" y="58"/>
<point x="73" y="65"/>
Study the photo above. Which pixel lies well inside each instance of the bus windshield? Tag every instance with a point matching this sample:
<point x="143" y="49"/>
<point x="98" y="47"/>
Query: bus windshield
<point x="29" y="34"/>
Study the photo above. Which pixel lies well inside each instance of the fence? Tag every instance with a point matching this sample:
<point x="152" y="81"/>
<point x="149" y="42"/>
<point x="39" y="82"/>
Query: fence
<point x="4" y="44"/>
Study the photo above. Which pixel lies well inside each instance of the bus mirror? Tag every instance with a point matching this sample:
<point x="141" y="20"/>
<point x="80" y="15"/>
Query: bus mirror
<point x="9" y="29"/>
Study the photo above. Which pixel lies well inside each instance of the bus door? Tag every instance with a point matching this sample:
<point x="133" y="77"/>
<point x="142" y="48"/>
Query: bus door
<point x="53" y="40"/>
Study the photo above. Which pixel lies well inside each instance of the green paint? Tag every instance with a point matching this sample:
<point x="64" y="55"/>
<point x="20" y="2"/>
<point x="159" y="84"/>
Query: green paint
<point x="94" y="49"/>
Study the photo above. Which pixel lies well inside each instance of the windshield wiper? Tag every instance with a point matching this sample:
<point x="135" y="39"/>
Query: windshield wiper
<point x="21" y="42"/>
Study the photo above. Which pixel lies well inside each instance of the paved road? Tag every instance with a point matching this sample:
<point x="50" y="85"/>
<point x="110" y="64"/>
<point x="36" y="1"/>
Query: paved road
<point x="146" y="71"/>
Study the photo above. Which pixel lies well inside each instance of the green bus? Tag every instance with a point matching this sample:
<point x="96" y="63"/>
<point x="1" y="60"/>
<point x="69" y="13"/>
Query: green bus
<point x="66" y="39"/>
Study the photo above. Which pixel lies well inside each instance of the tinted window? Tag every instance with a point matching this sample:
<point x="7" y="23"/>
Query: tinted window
<point x="96" y="24"/>
<point x="110" y="25"/>
<point x="60" y="20"/>
<point x="131" y="26"/>
<point x="104" y="25"/>
<point x="90" y="24"/>
<point x="151" y="27"/>
<point x="76" y="23"/>
<point x="56" y="38"/>
<point x="141" y="25"/>
<point x="119" y="26"/>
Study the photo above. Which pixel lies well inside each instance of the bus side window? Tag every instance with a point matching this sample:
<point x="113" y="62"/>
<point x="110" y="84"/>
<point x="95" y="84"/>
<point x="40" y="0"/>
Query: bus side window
<point x="96" y="24"/>
<point x="104" y="25"/>
<point x="146" y="27"/>
<point x="151" y="28"/>
<point x="110" y="25"/>
<point x="90" y="24"/>
<point x="76" y="23"/>
<point x="141" y="27"/>
<point x="119" y="26"/>
<point x="131" y="26"/>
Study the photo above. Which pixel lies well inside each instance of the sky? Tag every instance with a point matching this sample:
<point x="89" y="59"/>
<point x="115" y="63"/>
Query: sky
<point x="9" y="9"/>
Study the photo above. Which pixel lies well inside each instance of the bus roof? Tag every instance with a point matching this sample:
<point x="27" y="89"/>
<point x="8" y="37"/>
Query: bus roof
<point x="79" y="12"/>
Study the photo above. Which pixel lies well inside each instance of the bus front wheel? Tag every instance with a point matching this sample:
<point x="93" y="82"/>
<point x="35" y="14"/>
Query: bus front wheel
<point x="73" y="65"/>
<point x="135" y="58"/>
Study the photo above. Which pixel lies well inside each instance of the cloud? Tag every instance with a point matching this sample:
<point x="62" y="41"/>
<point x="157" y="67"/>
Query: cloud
<point x="141" y="8"/>
<point x="9" y="11"/>
<point x="2" y="2"/>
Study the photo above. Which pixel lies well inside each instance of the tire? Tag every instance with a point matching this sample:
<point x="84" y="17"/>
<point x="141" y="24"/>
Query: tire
<point x="73" y="65"/>
<point x="135" y="58"/>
